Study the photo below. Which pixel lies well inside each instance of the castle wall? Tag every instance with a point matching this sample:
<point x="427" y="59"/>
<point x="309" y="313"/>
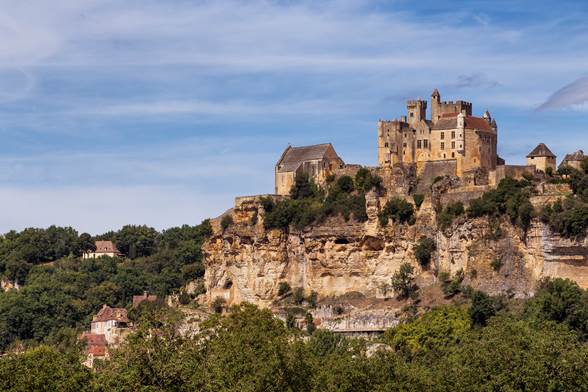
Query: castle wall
<point x="542" y="163"/>
<point x="513" y="171"/>
<point x="432" y="169"/>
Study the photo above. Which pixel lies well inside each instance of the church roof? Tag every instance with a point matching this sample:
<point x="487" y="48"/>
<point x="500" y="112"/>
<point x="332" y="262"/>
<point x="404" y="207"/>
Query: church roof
<point x="541" y="151"/>
<point x="449" y="121"/>
<point x="294" y="156"/>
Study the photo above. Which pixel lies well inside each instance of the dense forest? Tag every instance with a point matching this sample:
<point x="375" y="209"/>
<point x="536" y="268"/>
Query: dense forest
<point x="60" y="291"/>
<point x="481" y="344"/>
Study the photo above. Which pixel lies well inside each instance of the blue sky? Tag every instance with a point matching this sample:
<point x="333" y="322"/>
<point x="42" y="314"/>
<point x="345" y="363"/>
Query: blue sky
<point x="161" y="112"/>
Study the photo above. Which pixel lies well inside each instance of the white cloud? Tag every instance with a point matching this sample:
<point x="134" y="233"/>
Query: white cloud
<point x="573" y="95"/>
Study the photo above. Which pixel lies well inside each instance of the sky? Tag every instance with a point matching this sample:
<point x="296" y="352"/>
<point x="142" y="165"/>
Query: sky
<point x="117" y="112"/>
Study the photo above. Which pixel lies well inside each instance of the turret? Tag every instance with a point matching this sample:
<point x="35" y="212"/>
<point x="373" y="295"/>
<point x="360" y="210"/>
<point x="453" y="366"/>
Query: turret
<point x="487" y="117"/>
<point x="417" y="111"/>
<point x="435" y="102"/>
<point x="461" y="120"/>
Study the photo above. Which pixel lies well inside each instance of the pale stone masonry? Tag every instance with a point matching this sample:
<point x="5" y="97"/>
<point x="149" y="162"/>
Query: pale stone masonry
<point x="452" y="135"/>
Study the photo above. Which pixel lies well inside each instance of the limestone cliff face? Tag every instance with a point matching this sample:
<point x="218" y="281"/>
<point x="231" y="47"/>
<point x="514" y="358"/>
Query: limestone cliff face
<point x="247" y="263"/>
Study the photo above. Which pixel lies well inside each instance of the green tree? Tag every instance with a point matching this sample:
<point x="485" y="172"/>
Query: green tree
<point x="423" y="250"/>
<point x="43" y="369"/>
<point x="403" y="282"/>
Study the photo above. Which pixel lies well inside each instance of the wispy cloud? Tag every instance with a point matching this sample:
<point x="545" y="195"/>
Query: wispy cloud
<point x="573" y="95"/>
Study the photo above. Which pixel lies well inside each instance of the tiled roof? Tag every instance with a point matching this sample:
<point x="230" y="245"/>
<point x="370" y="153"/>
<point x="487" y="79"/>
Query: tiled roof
<point x="541" y="151"/>
<point x="471" y="122"/>
<point x="96" y="343"/>
<point x="105" y="247"/>
<point x="107" y="313"/>
<point x="294" y="156"/>
<point x="576" y="156"/>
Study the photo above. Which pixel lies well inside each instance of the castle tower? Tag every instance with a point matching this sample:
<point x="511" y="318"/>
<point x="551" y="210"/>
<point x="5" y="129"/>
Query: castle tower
<point x="417" y="111"/>
<point x="487" y="117"/>
<point x="435" y="102"/>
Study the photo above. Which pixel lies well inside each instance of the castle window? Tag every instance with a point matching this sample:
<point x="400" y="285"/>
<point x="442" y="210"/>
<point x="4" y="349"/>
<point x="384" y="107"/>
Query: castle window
<point x="425" y="143"/>
<point x="452" y="155"/>
<point x="419" y="144"/>
<point x="386" y="144"/>
<point x="404" y="145"/>
<point x="411" y="114"/>
<point x="460" y="146"/>
<point x="452" y="144"/>
<point x="453" y="134"/>
<point x="442" y="145"/>
<point x="442" y="135"/>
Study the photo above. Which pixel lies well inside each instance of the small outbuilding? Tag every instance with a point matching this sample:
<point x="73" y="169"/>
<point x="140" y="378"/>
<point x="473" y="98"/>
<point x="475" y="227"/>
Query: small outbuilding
<point x="574" y="160"/>
<point x="542" y="158"/>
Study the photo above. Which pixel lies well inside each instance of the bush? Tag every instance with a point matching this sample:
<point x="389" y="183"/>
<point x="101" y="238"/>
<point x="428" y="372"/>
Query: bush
<point x="218" y="304"/>
<point x="483" y="307"/>
<point x="418" y="199"/>
<point x="345" y="184"/>
<point x="449" y="213"/>
<point x="310" y="327"/>
<point x="423" y="250"/>
<point x="403" y="282"/>
<point x="312" y="298"/>
<point x="303" y="187"/>
<point x="283" y="288"/>
<point x="226" y="221"/>
<point x="365" y="181"/>
<point x="298" y="295"/>
<point x="397" y="209"/>
<point x="562" y="301"/>
<point x="510" y="198"/>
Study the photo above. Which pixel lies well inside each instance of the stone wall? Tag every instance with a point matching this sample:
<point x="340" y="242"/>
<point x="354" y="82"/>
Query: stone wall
<point x="428" y="171"/>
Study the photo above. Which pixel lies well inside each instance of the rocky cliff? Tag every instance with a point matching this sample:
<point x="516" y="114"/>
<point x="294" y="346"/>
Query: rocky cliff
<point x="246" y="263"/>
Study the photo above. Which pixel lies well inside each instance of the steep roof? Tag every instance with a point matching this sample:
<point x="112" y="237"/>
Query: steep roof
<point x="576" y="156"/>
<point x="107" y="313"/>
<point x="449" y="121"/>
<point x="105" y="247"/>
<point x="541" y="151"/>
<point x="294" y="156"/>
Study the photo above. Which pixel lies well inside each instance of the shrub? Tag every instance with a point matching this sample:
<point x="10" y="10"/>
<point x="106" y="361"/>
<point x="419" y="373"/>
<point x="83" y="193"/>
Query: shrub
<point x="218" y="304"/>
<point x="562" y="301"/>
<point x="365" y="181"/>
<point x="298" y="295"/>
<point x="303" y="187"/>
<point x="310" y="327"/>
<point x="283" y="288"/>
<point x="418" y="199"/>
<point x="403" y="282"/>
<point x="423" y="250"/>
<point x="449" y="213"/>
<point x="453" y="287"/>
<point x="184" y="298"/>
<point x="483" y="307"/>
<point x="399" y="210"/>
<point x="345" y="184"/>
<point x="510" y="198"/>
<point x="312" y="298"/>
<point x="226" y="221"/>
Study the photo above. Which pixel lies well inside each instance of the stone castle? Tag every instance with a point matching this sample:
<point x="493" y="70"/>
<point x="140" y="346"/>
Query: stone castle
<point x="452" y="136"/>
<point x="452" y="142"/>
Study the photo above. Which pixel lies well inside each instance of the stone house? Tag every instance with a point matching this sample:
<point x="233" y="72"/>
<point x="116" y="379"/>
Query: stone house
<point x="573" y="160"/>
<point x="113" y="323"/>
<point x="318" y="161"/>
<point x="542" y="158"/>
<point x="103" y="248"/>
<point x="453" y="138"/>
